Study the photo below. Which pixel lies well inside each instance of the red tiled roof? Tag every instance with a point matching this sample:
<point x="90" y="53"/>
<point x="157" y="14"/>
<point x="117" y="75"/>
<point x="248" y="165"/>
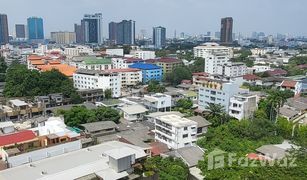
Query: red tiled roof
<point x="17" y="137"/>
<point x="250" y="77"/>
<point x="200" y="74"/>
<point x="123" y="70"/>
<point x="131" y="60"/>
<point x="254" y="156"/>
<point x="288" y="83"/>
<point x="277" y="72"/>
<point x="63" y="68"/>
<point x="157" y="148"/>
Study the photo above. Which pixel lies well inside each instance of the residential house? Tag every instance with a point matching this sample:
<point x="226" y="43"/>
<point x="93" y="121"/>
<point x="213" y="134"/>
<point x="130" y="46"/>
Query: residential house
<point x="294" y="86"/>
<point x="134" y="112"/>
<point x="158" y="102"/>
<point x="243" y="106"/>
<point x="100" y="128"/>
<point x="149" y="71"/>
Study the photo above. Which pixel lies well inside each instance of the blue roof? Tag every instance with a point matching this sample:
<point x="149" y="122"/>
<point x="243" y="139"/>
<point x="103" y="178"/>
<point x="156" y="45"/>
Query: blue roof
<point x="144" y="66"/>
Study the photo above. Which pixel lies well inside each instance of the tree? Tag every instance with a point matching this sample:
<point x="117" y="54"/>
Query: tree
<point x="184" y="103"/>
<point x="284" y="128"/>
<point x="155" y="87"/>
<point x="217" y="115"/>
<point x="276" y="99"/>
<point x="108" y="94"/>
<point x="3" y="65"/>
<point x="107" y="114"/>
<point x="198" y="65"/>
<point x="179" y="74"/>
<point x="167" y="168"/>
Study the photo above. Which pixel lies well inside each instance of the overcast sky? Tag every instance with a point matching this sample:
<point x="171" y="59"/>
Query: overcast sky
<point x="189" y="16"/>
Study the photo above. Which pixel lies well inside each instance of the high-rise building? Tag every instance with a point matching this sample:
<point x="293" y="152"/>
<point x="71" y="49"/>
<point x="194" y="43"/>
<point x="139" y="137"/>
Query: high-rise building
<point x="20" y="31"/>
<point x="226" y="30"/>
<point x="159" y="37"/>
<point x="79" y="33"/>
<point x="122" y="32"/>
<point x="92" y="28"/>
<point x="4" y="30"/>
<point x="113" y="32"/>
<point x="63" y="37"/>
<point x="35" y="28"/>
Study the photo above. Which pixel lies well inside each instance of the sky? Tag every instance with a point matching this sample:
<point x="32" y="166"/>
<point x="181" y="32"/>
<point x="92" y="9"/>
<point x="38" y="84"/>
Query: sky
<point x="189" y="16"/>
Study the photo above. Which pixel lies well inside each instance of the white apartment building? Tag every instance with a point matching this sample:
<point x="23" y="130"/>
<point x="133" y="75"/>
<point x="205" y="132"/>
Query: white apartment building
<point x="175" y="131"/>
<point x="214" y="55"/>
<point x="258" y="51"/>
<point x="93" y="79"/>
<point x="115" y="52"/>
<point x="242" y="106"/>
<point x="217" y="92"/>
<point x="63" y="37"/>
<point x="232" y="69"/>
<point x="128" y="76"/>
<point x="261" y="68"/>
<point x="123" y="63"/>
<point x="158" y="102"/>
<point x="143" y="54"/>
<point x="77" y="51"/>
<point x="91" y="63"/>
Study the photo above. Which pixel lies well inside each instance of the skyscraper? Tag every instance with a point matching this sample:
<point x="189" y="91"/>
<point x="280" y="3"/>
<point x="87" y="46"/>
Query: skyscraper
<point x="20" y="31"/>
<point x="79" y="33"/>
<point x="122" y="32"/>
<point x="92" y="28"/>
<point x="226" y="30"/>
<point x="35" y="28"/>
<point x="159" y="37"/>
<point x="4" y="30"/>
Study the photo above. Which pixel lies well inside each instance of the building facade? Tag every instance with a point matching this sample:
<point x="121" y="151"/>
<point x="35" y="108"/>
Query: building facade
<point x="63" y="37"/>
<point x="242" y="106"/>
<point x="149" y="71"/>
<point x="4" y="30"/>
<point x="159" y="37"/>
<point x="167" y="64"/>
<point x="175" y="131"/>
<point x="92" y="28"/>
<point x="214" y="55"/>
<point x="79" y="33"/>
<point x="129" y="76"/>
<point x="35" y="28"/>
<point x="232" y="69"/>
<point x="92" y="63"/>
<point x="96" y="79"/>
<point x="143" y="54"/>
<point x="20" y="31"/>
<point x="122" y="33"/>
<point x="226" y="30"/>
<point x="158" y="102"/>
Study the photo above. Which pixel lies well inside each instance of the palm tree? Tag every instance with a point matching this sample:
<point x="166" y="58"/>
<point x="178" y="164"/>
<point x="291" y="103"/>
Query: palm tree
<point x="217" y="114"/>
<point x="276" y="100"/>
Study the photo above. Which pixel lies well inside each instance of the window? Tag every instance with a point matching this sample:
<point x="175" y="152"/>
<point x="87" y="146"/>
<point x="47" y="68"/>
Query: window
<point x="185" y="136"/>
<point x="185" y="128"/>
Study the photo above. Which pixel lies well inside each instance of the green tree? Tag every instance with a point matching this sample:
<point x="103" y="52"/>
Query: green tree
<point x="107" y="114"/>
<point x="179" y="74"/>
<point x="155" y="87"/>
<point x="184" y="103"/>
<point x="108" y="94"/>
<point x="198" y="65"/>
<point x="217" y="115"/>
<point x="3" y="65"/>
<point x="284" y="128"/>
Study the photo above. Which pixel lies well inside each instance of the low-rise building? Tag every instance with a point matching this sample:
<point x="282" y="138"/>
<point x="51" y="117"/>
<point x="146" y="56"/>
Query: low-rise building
<point x="78" y="51"/>
<point x="134" y="112"/>
<point x="260" y="68"/>
<point x="115" y="52"/>
<point x="242" y="106"/>
<point x="94" y="79"/>
<point x="293" y="86"/>
<point x="202" y="124"/>
<point x="123" y="63"/>
<point x="232" y="69"/>
<point x="167" y="64"/>
<point x="175" y="131"/>
<point x="6" y="127"/>
<point x="92" y="63"/>
<point x="149" y="71"/>
<point x="129" y="76"/>
<point x="143" y="54"/>
<point x="91" y="95"/>
<point x="158" y="102"/>
<point x="101" y="128"/>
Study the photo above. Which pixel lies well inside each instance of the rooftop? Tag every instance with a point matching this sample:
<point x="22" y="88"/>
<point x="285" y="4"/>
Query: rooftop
<point x="190" y="155"/>
<point x="6" y="124"/>
<point x="96" y="60"/>
<point x="63" y="68"/>
<point x="17" y="102"/>
<point x="16" y="137"/>
<point x="177" y="121"/>
<point x="201" y="122"/>
<point x="74" y="164"/>
<point x="134" y="109"/>
<point x="143" y="66"/>
<point x="288" y="83"/>
<point x="98" y="126"/>
<point x="124" y="70"/>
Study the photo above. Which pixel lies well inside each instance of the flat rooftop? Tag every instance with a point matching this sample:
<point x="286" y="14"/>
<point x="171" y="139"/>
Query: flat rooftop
<point x="176" y="120"/>
<point x="74" y="164"/>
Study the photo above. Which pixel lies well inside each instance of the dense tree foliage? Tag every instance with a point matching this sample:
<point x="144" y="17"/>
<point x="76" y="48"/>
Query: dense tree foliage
<point x="198" y="65"/>
<point x="3" y="68"/>
<point x="108" y="94"/>
<point x="244" y="53"/>
<point x="184" y="103"/>
<point x="80" y="115"/>
<point x="179" y="74"/>
<point x="21" y="82"/>
<point x="155" y="87"/>
<point x="217" y="115"/>
<point x="167" y="168"/>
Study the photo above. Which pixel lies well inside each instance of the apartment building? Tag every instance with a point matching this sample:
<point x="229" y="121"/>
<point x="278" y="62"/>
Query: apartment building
<point x="94" y="79"/>
<point x="242" y="106"/>
<point x="167" y="64"/>
<point x="143" y="54"/>
<point x="158" y="102"/>
<point x="78" y="51"/>
<point x="122" y="63"/>
<point x="92" y="63"/>
<point x="217" y="92"/>
<point x="63" y="37"/>
<point x="128" y="76"/>
<point x="213" y="54"/>
<point x="175" y="131"/>
<point x="115" y="52"/>
<point x="231" y="69"/>
<point x="149" y="71"/>
<point x="260" y="68"/>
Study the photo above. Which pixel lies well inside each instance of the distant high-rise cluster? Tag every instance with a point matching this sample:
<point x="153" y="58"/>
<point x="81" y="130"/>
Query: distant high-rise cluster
<point x="35" y="28"/>
<point x="20" y="31"/>
<point x="159" y="37"/>
<point x="122" y="32"/>
<point x="226" y="30"/>
<point x="4" y="32"/>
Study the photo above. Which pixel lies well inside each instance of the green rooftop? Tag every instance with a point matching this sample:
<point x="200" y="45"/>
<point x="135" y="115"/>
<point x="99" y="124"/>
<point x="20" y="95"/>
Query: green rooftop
<point x="97" y="60"/>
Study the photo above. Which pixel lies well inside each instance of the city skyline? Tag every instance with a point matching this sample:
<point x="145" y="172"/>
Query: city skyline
<point x="266" y="16"/>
